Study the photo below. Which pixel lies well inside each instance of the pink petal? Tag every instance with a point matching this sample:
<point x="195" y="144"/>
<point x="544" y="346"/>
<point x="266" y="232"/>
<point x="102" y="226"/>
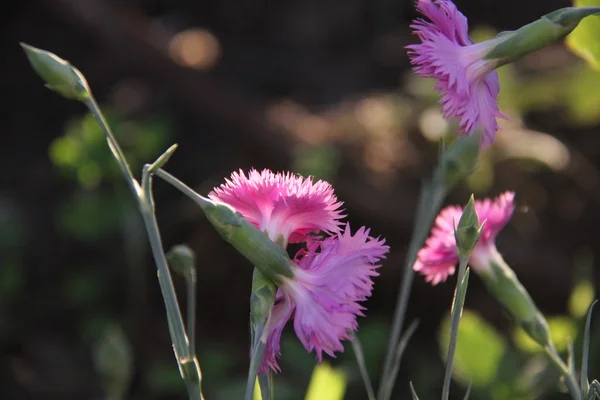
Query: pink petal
<point x="282" y="204"/>
<point x="467" y="82"/>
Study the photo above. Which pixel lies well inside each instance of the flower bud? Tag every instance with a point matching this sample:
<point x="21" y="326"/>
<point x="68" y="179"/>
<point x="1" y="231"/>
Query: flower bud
<point x="182" y="259"/>
<point x="261" y="298"/>
<point x="270" y="258"/>
<point x="58" y="74"/>
<point x="502" y="282"/>
<point x="468" y="230"/>
<point x="459" y="160"/>
<point x="551" y="27"/>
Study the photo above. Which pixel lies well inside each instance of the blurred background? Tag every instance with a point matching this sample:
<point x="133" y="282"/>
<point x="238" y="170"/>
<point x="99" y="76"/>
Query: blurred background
<point x="316" y="87"/>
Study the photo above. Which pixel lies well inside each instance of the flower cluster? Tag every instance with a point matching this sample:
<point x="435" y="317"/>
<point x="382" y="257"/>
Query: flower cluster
<point x="438" y="259"/>
<point x="332" y="274"/>
<point x="467" y="81"/>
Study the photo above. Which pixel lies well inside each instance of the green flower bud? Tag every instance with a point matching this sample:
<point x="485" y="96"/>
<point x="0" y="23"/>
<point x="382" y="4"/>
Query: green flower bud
<point x="58" y="74"/>
<point x="458" y="161"/>
<point x="468" y="230"/>
<point x="262" y="299"/>
<point x="182" y="259"/>
<point x="513" y="45"/>
<point x="270" y="258"/>
<point x="502" y="282"/>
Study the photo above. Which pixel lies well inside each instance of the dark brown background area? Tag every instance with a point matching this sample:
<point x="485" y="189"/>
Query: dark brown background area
<point x="314" y="53"/>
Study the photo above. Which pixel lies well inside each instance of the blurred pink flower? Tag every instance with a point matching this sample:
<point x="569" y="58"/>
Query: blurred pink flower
<point x="284" y="205"/>
<point x="468" y="83"/>
<point x="331" y="277"/>
<point x="438" y="259"/>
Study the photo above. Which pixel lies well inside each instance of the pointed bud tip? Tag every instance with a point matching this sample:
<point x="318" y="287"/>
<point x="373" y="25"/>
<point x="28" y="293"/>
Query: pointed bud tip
<point x="58" y="74"/>
<point x="468" y="229"/>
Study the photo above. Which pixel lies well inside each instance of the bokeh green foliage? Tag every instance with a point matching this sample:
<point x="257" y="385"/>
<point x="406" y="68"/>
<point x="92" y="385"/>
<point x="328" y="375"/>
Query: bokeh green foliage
<point x="81" y="155"/>
<point x="515" y="367"/>
<point x="584" y="39"/>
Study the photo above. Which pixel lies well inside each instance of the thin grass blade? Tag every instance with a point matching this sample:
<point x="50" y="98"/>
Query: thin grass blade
<point x="412" y="391"/>
<point x="585" y="386"/>
<point x="388" y="385"/>
<point x="362" y="367"/>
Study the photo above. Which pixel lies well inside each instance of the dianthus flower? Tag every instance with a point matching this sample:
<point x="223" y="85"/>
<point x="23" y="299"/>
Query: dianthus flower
<point x="467" y="81"/>
<point x="331" y="277"/>
<point x="438" y="259"/>
<point x="322" y="287"/>
<point x="283" y="205"/>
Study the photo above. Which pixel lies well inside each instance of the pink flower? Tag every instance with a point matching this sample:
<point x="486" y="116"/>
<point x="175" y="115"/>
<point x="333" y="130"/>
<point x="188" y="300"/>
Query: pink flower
<point x="282" y="204"/>
<point x="437" y="260"/>
<point x="468" y="83"/>
<point x="331" y="277"/>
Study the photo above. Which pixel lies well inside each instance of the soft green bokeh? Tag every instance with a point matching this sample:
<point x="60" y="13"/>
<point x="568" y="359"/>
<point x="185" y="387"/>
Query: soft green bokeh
<point x="581" y="298"/>
<point x="584" y="39"/>
<point x="561" y="329"/>
<point x="479" y="349"/>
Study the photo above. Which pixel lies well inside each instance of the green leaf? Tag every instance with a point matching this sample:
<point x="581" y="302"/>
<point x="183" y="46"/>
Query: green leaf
<point x="586" y="350"/>
<point x="479" y="349"/>
<point x="326" y="383"/>
<point x="412" y="391"/>
<point x="584" y="40"/>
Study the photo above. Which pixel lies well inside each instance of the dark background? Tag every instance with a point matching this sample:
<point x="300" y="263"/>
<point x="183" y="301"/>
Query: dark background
<point x="318" y="87"/>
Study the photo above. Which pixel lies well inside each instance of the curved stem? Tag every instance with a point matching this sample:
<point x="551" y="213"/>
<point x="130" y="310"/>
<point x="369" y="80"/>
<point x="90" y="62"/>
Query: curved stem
<point x="570" y="379"/>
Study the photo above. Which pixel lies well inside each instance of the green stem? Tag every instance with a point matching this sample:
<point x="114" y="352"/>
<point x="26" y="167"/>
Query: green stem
<point x="114" y="146"/>
<point x="182" y="187"/>
<point x="186" y="360"/>
<point x="569" y="375"/>
<point x="191" y="283"/>
<point x="185" y="355"/>
<point x="457" y="308"/>
<point x="431" y="198"/>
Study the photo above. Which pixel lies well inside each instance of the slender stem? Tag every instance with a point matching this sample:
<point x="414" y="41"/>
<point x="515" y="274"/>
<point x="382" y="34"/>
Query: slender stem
<point x="388" y="387"/>
<point x="181" y="343"/>
<point x="114" y="146"/>
<point x="186" y="360"/>
<point x="362" y="367"/>
<point x="430" y="201"/>
<point x="182" y="187"/>
<point x="191" y="283"/>
<point x="570" y="378"/>
<point x="457" y="307"/>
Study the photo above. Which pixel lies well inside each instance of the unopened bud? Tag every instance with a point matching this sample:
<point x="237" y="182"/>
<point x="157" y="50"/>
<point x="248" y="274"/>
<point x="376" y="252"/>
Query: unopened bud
<point x="182" y="259"/>
<point x="459" y="160"/>
<point x="502" y="282"/>
<point x="270" y="258"/>
<point x="262" y="299"/>
<point x="58" y="74"/>
<point x="551" y="27"/>
<point x="467" y="231"/>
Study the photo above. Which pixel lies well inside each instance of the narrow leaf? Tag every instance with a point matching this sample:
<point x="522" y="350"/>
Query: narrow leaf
<point x="457" y="308"/>
<point x="468" y="390"/>
<point x="586" y="351"/>
<point x="388" y="385"/>
<point x="258" y="350"/>
<point x="412" y="391"/>
<point x="265" y="381"/>
<point x="362" y="367"/>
